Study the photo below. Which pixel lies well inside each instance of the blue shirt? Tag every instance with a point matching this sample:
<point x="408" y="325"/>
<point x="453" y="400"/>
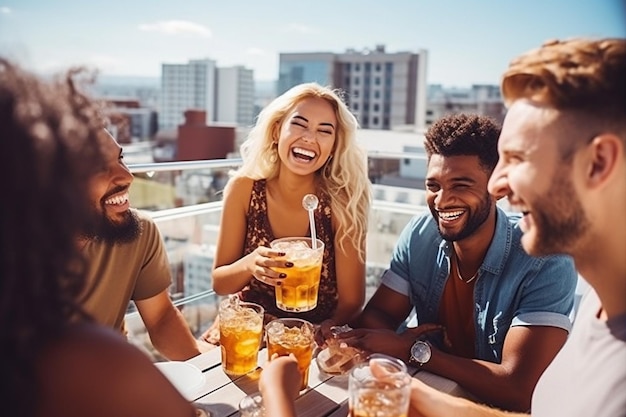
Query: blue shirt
<point x="512" y="288"/>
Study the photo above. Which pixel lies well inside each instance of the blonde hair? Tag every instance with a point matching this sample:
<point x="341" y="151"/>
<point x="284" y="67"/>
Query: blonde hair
<point x="582" y="76"/>
<point x="344" y="178"/>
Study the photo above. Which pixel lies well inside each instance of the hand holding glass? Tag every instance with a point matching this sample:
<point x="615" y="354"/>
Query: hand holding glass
<point x="379" y="387"/>
<point x="286" y="336"/>
<point x="298" y="291"/>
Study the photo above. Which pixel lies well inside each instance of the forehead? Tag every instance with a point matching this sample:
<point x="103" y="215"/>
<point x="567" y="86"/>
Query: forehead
<point x="455" y="168"/>
<point x="108" y="144"/>
<point x="315" y="107"/>
<point x="531" y="130"/>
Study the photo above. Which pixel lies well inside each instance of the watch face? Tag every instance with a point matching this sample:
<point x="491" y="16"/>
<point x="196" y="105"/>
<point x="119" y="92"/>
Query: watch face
<point x="421" y="352"/>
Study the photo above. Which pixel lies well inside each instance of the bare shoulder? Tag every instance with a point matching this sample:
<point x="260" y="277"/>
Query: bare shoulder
<point x="238" y="190"/>
<point x="91" y="370"/>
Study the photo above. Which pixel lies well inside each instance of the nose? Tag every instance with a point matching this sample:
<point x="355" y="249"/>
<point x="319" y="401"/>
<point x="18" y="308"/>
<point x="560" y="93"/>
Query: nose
<point x="498" y="185"/>
<point x="121" y="173"/>
<point x="308" y="135"/>
<point x="442" y="196"/>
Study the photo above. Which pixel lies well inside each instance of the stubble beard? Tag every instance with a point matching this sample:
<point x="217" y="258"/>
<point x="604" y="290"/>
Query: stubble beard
<point x="559" y="219"/>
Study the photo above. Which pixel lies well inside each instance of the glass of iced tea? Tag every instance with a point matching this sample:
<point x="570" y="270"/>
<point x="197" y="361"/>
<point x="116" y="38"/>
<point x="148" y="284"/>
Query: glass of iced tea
<point x="286" y="336"/>
<point x="298" y="292"/>
<point x="241" y="328"/>
<point x="379" y="387"/>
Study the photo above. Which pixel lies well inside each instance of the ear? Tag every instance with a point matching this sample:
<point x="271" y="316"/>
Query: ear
<point x="606" y="152"/>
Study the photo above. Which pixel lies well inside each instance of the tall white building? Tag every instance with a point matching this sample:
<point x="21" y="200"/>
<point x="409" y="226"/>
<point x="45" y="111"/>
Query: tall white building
<point x="184" y="87"/>
<point x="235" y="96"/>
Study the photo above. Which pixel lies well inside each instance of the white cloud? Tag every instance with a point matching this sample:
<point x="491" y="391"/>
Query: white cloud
<point x="5" y="10"/>
<point x="176" y="27"/>
<point x="255" y="51"/>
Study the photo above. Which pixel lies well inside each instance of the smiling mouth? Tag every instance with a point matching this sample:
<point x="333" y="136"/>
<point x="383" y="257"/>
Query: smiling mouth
<point x="303" y="154"/>
<point x="450" y="215"/>
<point x="117" y="200"/>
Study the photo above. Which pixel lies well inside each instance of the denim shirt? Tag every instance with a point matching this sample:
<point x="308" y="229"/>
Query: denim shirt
<point x="512" y="288"/>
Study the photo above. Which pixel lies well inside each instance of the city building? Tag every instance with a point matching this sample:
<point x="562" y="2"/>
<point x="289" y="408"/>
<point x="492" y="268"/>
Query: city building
<point x="235" y="96"/>
<point x="384" y="90"/>
<point x="481" y="99"/>
<point x="226" y="95"/>
<point x="129" y="121"/>
<point x="184" y="87"/>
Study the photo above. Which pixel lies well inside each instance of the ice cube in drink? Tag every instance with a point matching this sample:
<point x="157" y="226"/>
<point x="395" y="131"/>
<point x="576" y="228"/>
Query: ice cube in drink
<point x="298" y="292"/>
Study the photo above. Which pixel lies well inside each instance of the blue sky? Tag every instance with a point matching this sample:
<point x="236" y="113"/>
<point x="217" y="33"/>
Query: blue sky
<point x="468" y="41"/>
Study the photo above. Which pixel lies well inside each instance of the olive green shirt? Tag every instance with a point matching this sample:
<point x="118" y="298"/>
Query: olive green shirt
<point x="118" y="273"/>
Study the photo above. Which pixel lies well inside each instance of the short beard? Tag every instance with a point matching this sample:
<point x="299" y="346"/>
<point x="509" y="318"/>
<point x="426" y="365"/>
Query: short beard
<point x="561" y="221"/>
<point x="105" y="230"/>
<point x="476" y="220"/>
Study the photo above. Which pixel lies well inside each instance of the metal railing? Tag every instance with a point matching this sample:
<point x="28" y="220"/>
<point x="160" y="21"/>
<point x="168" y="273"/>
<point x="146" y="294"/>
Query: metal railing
<point x="387" y="220"/>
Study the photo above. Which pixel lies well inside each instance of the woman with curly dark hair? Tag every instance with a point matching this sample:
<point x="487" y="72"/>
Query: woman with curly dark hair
<point x="55" y="361"/>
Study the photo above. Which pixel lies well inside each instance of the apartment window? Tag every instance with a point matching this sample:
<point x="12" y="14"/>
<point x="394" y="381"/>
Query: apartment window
<point x="355" y="106"/>
<point x="377" y="67"/>
<point x="377" y="80"/>
<point x="376" y="107"/>
<point x="375" y="121"/>
<point x="357" y="67"/>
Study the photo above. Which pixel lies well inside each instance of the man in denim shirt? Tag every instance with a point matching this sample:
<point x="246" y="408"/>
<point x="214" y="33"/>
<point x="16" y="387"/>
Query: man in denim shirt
<point x="499" y="315"/>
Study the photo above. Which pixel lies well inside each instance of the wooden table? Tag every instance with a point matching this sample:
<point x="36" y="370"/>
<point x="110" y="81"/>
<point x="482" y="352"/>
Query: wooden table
<point x="327" y="396"/>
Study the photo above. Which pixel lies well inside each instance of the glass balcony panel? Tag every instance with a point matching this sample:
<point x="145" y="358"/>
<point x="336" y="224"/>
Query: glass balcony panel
<point x="186" y="206"/>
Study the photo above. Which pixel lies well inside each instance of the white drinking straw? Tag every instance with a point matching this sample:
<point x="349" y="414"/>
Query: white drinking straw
<point x="310" y="202"/>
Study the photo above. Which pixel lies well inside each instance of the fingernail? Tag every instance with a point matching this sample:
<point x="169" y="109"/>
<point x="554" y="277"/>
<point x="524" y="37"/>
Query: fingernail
<point x="281" y="254"/>
<point x="282" y="275"/>
<point x="288" y="264"/>
<point x="279" y="283"/>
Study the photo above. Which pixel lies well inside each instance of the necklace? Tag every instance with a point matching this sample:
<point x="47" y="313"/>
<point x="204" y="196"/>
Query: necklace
<point x="458" y="272"/>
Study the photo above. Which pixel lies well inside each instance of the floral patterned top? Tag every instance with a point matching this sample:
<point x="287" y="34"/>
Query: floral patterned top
<point x="259" y="233"/>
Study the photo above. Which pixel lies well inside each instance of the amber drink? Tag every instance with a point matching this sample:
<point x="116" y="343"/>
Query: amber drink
<point x="286" y="336"/>
<point x="384" y="395"/>
<point x="241" y="328"/>
<point x="298" y="292"/>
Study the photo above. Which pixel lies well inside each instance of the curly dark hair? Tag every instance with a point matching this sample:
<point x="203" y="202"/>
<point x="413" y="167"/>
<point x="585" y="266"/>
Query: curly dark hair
<point x="50" y="149"/>
<point x="465" y="134"/>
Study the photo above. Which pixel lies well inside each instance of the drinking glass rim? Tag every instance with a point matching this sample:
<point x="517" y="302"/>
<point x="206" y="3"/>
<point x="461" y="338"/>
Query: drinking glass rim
<point x="243" y="304"/>
<point x="283" y="319"/>
<point x="309" y="238"/>
<point x="400" y="367"/>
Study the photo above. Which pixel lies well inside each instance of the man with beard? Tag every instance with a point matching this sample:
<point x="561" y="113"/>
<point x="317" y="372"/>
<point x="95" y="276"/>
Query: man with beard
<point x="127" y="261"/>
<point x="490" y="316"/>
<point x="563" y="165"/>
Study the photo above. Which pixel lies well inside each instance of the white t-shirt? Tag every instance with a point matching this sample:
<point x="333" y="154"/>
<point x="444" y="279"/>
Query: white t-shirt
<point x="588" y="376"/>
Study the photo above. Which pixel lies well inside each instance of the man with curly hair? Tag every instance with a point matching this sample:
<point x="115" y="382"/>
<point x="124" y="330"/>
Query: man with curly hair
<point x="127" y="261"/>
<point x="490" y="316"/>
<point x="563" y="165"/>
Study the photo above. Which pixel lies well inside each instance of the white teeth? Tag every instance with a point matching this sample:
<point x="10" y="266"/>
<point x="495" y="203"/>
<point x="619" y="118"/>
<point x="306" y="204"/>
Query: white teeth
<point x="304" y="152"/>
<point x="450" y="215"/>
<point x="117" y="200"/>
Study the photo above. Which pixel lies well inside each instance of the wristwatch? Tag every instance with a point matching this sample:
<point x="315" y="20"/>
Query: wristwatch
<point x="420" y="353"/>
